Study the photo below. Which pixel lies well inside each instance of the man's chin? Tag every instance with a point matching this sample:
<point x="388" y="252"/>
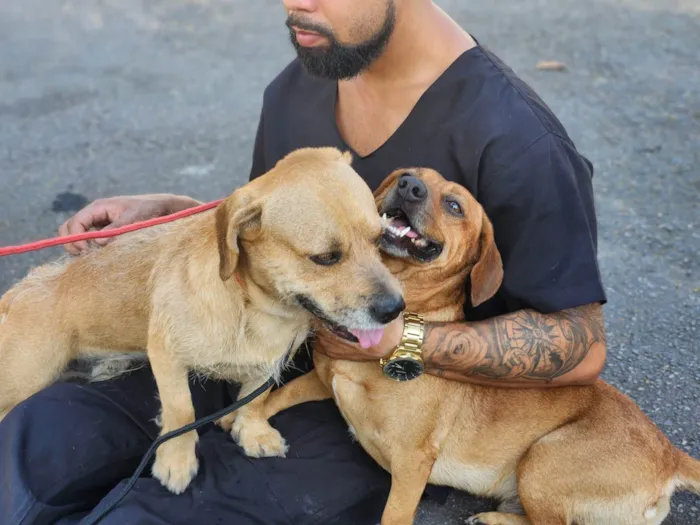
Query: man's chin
<point x="326" y="59"/>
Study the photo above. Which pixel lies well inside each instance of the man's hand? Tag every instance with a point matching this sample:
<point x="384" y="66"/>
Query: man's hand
<point x="114" y="212"/>
<point x="337" y="348"/>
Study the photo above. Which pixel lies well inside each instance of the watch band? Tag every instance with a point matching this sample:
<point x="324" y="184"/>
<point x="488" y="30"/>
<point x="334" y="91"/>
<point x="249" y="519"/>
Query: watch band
<point x="412" y="337"/>
<point x="413" y="333"/>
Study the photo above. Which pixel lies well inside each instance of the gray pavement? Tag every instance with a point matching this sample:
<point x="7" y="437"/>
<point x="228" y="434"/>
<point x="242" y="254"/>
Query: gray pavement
<point x="123" y="96"/>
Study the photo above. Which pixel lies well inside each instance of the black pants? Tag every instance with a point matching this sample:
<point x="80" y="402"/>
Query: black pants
<point x="71" y="445"/>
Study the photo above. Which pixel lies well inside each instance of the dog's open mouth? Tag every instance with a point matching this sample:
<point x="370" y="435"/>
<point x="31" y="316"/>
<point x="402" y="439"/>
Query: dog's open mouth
<point x="400" y="234"/>
<point x="366" y="338"/>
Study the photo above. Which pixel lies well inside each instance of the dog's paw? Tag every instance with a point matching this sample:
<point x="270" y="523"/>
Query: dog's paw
<point x="258" y="439"/>
<point x="496" y="518"/>
<point x="176" y="463"/>
<point x="226" y="422"/>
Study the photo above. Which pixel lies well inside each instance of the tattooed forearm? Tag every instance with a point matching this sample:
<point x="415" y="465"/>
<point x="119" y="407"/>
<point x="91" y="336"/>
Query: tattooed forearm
<point x="523" y="346"/>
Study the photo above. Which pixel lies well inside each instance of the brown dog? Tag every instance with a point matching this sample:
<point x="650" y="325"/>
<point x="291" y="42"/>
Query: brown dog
<point x="584" y="455"/>
<point x="288" y="240"/>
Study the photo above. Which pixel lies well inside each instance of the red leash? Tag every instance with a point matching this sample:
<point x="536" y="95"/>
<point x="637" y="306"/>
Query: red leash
<point x="39" y="245"/>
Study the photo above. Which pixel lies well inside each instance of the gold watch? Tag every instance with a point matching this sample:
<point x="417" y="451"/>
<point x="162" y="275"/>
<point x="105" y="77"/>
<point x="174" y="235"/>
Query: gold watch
<point x="406" y="361"/>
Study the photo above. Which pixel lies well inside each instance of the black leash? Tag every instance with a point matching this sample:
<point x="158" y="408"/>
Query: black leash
<point x="97" y="514"/>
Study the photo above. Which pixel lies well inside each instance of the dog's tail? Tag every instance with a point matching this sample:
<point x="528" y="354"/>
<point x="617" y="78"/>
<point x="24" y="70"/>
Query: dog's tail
<point x="688" y="472"/>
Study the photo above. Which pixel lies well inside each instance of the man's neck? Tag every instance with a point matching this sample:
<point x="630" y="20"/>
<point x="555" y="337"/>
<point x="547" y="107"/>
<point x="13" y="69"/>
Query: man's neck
<point x="424" y="43"/>
<point x="372" y="106"/>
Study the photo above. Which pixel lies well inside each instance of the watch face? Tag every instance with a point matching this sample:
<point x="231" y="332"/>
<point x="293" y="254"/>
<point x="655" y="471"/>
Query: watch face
<point x="403" y="369"/>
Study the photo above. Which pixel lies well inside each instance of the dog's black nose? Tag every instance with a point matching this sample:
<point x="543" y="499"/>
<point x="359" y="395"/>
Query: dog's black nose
<point x="412" y="188"/>
<point x="387" y="307"/>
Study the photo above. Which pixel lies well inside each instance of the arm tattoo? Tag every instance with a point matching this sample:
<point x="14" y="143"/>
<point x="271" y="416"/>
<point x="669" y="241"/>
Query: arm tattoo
<point x="522" y="345"/>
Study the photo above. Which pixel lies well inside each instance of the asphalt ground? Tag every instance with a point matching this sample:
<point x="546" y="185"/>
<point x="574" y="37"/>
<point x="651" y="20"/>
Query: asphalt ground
<point x="123" y="96"/>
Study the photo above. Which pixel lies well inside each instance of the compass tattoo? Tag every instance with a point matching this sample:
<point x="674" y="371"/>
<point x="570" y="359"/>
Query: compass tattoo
<point x="524" y="345"/>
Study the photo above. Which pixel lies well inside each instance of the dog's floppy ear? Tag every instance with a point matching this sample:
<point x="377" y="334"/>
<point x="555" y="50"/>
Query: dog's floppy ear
<point x="487" y="273"/>
<point x="238" y="214"/>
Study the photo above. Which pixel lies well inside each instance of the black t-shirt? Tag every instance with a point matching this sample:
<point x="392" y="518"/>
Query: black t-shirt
<point x="483" y="127"/>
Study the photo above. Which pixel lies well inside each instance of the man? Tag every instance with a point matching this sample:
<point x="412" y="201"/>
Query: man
<point x="400" y="84"/>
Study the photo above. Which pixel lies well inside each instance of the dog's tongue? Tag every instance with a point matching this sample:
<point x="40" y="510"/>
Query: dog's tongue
<point x="368" y="338"/>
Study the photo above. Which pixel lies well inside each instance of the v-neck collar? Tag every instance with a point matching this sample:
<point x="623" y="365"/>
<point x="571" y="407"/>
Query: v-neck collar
<point x="421" y="105"/>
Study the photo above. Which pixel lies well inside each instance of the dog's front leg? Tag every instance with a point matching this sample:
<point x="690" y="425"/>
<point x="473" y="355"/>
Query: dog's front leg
<point x="410" y="472"/>
<point x="251" y="429"/>
<point x="300" y="390"/>
<point x="176" y="460"/>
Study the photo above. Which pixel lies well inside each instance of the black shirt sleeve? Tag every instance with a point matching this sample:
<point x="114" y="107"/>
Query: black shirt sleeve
<point x="543" y="213"/>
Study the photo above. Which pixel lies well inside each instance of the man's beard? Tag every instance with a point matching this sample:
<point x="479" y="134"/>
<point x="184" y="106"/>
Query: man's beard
<point x="337" y="61"/>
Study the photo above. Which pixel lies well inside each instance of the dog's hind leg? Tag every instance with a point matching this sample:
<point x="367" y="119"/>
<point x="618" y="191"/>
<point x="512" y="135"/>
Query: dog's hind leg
<point x="30" y="360"/>
<point x="572" y="475"/>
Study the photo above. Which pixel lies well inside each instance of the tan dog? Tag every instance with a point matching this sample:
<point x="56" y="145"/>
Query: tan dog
<point x="290" y="237"/>
<point x="583" y="455"/>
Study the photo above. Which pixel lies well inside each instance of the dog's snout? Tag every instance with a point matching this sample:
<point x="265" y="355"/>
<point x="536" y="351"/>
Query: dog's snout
<point x="412" y="188"/>
<point x="387" y="307"/>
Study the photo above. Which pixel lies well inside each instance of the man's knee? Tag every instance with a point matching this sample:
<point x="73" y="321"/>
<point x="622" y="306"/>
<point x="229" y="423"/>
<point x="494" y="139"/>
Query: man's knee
<point x="63" y="435"/>
<point x="47" y="409"/>
<point x="65" y="409"/>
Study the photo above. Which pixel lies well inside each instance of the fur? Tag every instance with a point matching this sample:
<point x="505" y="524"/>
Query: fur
<point x="212" y="294"/>
<point x="570" y="455"/>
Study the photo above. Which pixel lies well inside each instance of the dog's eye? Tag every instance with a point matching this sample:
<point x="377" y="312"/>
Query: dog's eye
<point x="454" y="207"/>
<point x="326" y="259"/>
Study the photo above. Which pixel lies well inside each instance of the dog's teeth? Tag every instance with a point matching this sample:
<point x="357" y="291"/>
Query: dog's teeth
<point x="403" y="232"/>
